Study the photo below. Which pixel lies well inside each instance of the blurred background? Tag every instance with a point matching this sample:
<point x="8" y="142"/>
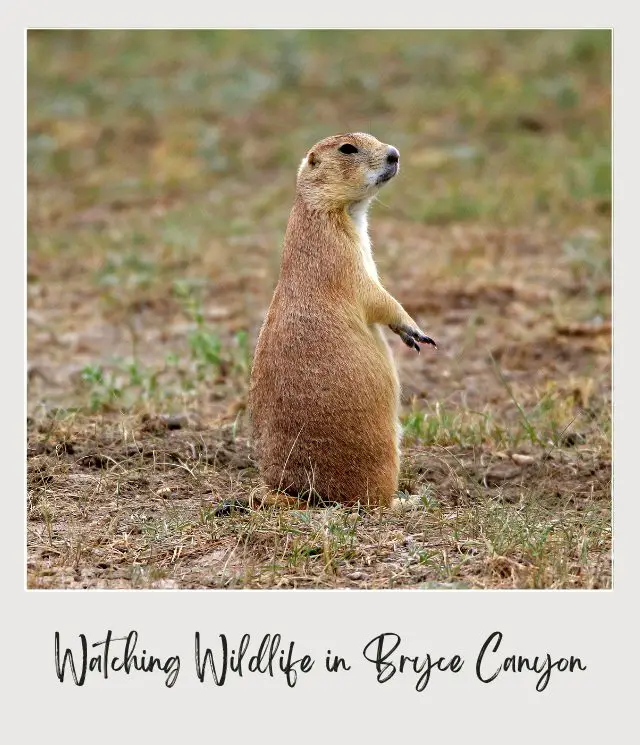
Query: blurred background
<point x="161" y="172"/>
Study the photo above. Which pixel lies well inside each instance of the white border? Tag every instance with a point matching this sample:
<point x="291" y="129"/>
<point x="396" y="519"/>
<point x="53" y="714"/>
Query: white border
<point x="593" y="624"/>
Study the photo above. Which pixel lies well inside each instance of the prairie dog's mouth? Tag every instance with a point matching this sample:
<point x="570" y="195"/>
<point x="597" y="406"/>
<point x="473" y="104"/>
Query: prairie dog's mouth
<point x="388" y="173"/>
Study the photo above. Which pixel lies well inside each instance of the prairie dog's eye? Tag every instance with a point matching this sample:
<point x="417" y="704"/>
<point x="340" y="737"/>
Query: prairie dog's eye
<point x="348" y="149"/>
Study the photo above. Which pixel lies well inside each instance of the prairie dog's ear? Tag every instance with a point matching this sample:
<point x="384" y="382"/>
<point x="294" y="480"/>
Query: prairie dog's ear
<point x="310" y="160"/>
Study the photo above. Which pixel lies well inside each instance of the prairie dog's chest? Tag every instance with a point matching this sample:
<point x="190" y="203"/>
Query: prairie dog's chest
<point x="359" y="215"/>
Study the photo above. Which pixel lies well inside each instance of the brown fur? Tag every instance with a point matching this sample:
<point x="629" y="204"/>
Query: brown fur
<point x="324" y="392"/>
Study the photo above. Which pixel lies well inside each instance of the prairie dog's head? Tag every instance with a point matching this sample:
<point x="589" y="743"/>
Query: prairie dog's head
<point x="344" y="169"/>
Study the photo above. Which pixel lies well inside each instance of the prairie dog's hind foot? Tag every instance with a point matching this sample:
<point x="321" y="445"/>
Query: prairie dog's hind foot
<point x="228" y="506"/>
<point x="273" y="499"/>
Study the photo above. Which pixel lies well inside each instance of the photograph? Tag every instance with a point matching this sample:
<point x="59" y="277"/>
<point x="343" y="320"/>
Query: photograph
<point x="318" y="309"/>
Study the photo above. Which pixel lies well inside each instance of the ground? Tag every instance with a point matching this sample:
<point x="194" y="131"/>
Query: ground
<point x="161" y="170"/>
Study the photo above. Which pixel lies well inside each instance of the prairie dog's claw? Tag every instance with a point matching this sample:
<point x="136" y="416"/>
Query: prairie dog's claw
<point x="427" y="340"/>
<point x="410" y="336"/>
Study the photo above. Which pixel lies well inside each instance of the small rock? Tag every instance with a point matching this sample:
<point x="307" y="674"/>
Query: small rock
<point x="176" y="421"/>
<point x="499" y="473"/>
<point x="521" y="459"/>
<point x="356" y="575"/>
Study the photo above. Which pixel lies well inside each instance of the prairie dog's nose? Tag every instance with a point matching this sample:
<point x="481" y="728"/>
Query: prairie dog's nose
<point x="393" y="156"/>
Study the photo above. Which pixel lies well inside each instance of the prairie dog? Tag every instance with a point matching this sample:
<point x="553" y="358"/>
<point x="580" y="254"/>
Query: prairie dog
<point x="324" y="392"/>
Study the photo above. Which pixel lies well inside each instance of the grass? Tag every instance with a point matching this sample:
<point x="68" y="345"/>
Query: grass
<point x="160" y="171"/>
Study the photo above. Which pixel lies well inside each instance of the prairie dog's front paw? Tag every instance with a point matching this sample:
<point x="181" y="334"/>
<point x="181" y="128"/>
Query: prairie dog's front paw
<point x="412" y="336"/>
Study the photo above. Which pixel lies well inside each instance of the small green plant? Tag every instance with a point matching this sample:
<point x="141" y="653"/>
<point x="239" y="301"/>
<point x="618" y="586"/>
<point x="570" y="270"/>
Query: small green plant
<point x="103" y="387"/>
<point x="205" y="346"/>
<point x="207" y="352"/>
<point x="142" y="378"/>
<point x="128" y="382"/>
<point x="130" y="270"/>
<point x="439" y="426"/>
<point x="243" y="354"/>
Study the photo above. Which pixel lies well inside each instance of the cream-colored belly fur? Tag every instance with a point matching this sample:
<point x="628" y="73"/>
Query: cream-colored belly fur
<point x="359" y="216"/>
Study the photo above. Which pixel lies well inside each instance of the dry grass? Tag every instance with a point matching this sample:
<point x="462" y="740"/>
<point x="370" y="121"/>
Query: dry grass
<point x="160" y="171"/>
